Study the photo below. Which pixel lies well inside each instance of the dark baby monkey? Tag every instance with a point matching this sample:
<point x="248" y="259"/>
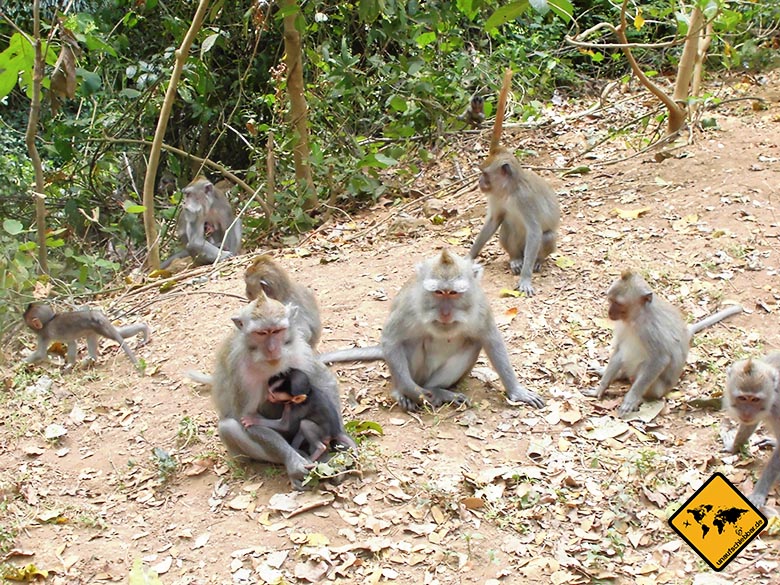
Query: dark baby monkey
<point x="68" y="327"/>
<point x="474" y="114"/>
<point x="650" y="343"/>
<point x="307" y="409"/>
<point x="752" y="395"/>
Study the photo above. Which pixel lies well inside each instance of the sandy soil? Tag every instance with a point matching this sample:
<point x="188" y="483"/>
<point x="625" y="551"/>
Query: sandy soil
<point x="494" y="493"/>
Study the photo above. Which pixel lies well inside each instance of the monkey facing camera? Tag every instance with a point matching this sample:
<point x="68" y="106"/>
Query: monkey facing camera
<point x="650" y="343"/>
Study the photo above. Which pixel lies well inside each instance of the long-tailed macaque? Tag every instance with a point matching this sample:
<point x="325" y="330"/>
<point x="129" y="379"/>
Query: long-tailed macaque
<point x="307" y="409"/>
<point x="67" y="327"/>
<point x="266" y="275"/>
<point x="205" y="220"/>
<point x="437" y="326"/>
<point x="520" y="203"/>
<point x="264" y="344"/>
<point x="752" y="395"/>
<point x="650" y="343"/>
<point x="474" y="114"/>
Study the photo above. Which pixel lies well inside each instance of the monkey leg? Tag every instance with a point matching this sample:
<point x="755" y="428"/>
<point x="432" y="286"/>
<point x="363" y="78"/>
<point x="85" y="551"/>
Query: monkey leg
<point x="766" y="481"/>
<point x="172" y="257"/>
<point x="264" y="445"/>
<point x="316" y="437"/>
<point x="437" y="397"/>
<point x="204" y="252"/>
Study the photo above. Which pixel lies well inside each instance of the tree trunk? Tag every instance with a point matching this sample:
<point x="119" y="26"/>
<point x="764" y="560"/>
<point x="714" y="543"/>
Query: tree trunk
<point x="32" y="126"/>
<point x="688" y="58"/>
<point x="150" y="224"/>
<point x="298" y="107"/>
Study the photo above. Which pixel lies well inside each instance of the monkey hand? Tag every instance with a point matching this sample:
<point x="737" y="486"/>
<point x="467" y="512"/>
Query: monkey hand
<point x="524" y="286"/>
<point x="629" y="405"/>
<point x="758" y="500"/>
<point x="250" y="420"/>
<point x="298" y="468"/>
<point x="728" y="443"/>
<point x="525" y="395"/>
<point x="593" y="392"/>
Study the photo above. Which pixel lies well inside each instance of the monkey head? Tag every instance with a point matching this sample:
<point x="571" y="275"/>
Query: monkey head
<point x="477" y="105"/>
<point x="198" y="195"/>
<point x="265" y="324"/>
<point x="37" y="315"/>
<point x="292" y="386"/>
<point x="448" y="281"/>
<point x="499" y="173"/>
<point x="750" y="390"/>
<point x="627" y="295"/>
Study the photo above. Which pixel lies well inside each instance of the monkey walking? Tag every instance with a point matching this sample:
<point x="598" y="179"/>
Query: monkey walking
<point x="752" y="395"/>
<point x="267" y="275"/>
<point x="650" y="343"/>
<point x="205" y="220"/>
<point x="519" y="203"/>
<point x="438" y="324"/>
<point x="266" y="342"/>
<point x="307" y="412"/>
<point x="67" y="327"/>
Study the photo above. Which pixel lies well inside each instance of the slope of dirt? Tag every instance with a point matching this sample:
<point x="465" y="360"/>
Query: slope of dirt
<point x="494" y="493"/>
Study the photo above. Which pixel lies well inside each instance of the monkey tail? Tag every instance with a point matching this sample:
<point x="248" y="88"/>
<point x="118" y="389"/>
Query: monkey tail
<point x="712" y="319"/>
<point x="498" y="125"/>
<point x="199" y="377"/>
<point x="355" y="354"/>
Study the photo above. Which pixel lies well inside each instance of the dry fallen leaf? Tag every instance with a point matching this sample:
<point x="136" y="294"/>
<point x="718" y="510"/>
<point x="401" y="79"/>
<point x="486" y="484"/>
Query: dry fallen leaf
<point x="630" y="213"/>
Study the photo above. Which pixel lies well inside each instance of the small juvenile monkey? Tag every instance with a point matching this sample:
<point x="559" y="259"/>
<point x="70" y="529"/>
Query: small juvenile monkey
<point x="268" y="276"/>
<point x="67" y="327"/>
<point x="520" y="203"/>
<point x="752" y="394"/>
<point x="650" y="343"/>
<point x="306" y="409"/>
<point x="166" y="185"/>
<point x="438" y="324"/>
<point x="264" y="344"/>
<point x="474" y="114"/>
<point x="205" y="220"/>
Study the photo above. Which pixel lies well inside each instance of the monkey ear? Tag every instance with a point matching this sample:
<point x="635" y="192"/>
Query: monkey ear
<point x="36" y="323"/>
<point x="647" y="298"/>
<point x="477" y="270"/>
<point x="298" y="398"/>
<point x="506" y="170"/>
<point x="238" y="321"/>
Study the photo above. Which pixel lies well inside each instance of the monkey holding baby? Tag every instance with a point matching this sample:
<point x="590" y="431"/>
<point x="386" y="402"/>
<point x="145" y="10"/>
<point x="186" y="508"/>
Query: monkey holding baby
<point x="207" y="229"/>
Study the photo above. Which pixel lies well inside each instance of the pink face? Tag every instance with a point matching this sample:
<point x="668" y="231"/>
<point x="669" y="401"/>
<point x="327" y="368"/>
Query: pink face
<point x="271" y="341"/>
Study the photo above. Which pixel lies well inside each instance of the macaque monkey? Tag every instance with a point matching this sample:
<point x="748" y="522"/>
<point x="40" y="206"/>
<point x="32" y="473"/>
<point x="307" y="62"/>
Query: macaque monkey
<point x="316" y="418"/>
<point x="438" y="323"/>
<point x="651" y="341"/>
<point x="264" y="344"/>
<point x="166" y="185"/>
<point x="752" y="394"/>
<point x="205" y="220"/>
<point x="474" y="114"/>
<point x="67" y="327"/>
<point x="268" y="276"/>
<point x="520" y="203"/>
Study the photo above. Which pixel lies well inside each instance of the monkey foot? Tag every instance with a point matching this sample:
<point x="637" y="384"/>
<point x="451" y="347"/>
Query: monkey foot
<point x="628" y="406"/>
<point x="516" y="266"/>
<point x="524" y="286"/>
<point x="531" y="398"/>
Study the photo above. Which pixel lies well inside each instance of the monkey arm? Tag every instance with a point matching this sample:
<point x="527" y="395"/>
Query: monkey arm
<point x="41" y="352"/>
<point x="648" y="374"/>
<point x="767" y="480"/>
<point x="285" y="424"/>
<point x="499" y="357"/>
<point x="492" y="223"/>
<point x="405" y="390"/>
<point x="610" y="374"/>
<point x="740" y="438"/>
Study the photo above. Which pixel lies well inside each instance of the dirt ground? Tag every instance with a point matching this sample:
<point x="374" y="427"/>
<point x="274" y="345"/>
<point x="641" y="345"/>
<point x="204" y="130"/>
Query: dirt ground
<point x="494" y="493"/>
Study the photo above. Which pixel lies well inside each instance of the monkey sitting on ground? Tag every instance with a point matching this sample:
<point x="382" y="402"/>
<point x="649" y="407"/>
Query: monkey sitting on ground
<point x="266" y="275"/>
<point x="752" y="395"/>
<point x="520" y="203"/>
<point x="474" y="114"/>
<point x="438" y="323"/>
<point x="266" y="342"/>
<point x="205" y="220"/>
<point x="67" y="327"/>
<point x="651" y="341"/>
<point x="306" y="409"/>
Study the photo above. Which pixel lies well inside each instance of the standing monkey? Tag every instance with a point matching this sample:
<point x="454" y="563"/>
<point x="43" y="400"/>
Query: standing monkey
<point x="205" y="220"/>
<point x="264" y="344"/>
<point x="269" y="277"/>
<point x="752" y="395"/>
<point x="651" y="341"/>
<point x="520" y="203"/>
<point x="67" y="327"/>
<point x="438" y="323"/>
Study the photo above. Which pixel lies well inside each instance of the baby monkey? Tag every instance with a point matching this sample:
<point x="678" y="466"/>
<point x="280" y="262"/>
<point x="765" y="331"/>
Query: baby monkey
<point x="67" y="327"/>
<point x="306" y="409"/>
<point x="474" y="114"/>
<point x="752" y="394"/>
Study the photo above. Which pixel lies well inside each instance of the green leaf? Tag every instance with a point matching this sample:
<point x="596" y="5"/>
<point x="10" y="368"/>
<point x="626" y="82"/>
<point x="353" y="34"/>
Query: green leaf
<point x="208" y="44"/>
<point x="131" y="207"/>
<point x="505" y="14"/>
<point x="13" y="226"/>
<point x="398" y="103"/>
<point x="562" y="8"/>
<point x="425" y="39"/>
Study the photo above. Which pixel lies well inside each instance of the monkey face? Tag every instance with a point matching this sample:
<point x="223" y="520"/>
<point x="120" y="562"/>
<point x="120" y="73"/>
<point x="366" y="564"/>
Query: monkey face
<point x="194" y="202"/>
<point x="617" y="310"/>
<point x="748" y="408"/>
